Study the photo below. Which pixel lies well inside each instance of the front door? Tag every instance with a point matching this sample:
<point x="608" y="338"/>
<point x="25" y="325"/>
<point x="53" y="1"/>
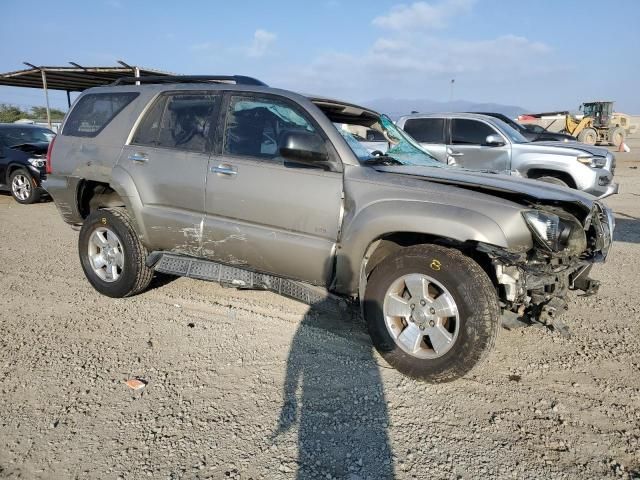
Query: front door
<point x="263" y="212"/>
<point x="468" y="147"/>
<point x="167" y="160"/>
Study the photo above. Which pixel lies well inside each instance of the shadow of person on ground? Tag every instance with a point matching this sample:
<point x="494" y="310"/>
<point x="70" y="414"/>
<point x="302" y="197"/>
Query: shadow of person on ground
<point x="333" y="393"/>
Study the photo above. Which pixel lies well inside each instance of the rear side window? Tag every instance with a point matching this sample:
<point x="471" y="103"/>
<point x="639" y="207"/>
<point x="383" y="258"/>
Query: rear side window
<point x="94" y="112"/>
<point x="185" y="121"/>
<point x="426" y="130"/>
<point x="470" y="132"/>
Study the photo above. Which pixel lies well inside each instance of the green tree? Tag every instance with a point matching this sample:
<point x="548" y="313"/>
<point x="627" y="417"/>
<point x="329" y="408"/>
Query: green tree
<point x="41" y="113"/>
<point x="9" y="113"/>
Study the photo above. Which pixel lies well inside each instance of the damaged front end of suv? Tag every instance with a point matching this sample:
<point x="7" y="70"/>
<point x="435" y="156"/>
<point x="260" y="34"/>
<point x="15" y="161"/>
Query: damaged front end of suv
<point x="534" y="284"/>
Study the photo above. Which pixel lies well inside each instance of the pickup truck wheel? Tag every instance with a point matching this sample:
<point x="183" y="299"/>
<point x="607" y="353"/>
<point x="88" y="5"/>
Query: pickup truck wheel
<point x="112" y="257"/>
<point x="554" y="180"/>
<point x="22" y="187"/>
<point x="432" y="312"/>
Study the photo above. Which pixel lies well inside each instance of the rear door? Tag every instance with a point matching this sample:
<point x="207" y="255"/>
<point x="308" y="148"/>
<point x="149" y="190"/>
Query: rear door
<point x="468" y="147"/>
<point x="430" y="132"/>
<point x="263" y="212"/>
<point x="167" y="158"/>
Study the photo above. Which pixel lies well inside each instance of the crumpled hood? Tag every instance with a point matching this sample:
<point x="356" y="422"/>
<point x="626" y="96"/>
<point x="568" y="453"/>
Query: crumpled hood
<point x="36" y="148"/>
<point x="516" y="188"/>
<point x="581" y="147"/>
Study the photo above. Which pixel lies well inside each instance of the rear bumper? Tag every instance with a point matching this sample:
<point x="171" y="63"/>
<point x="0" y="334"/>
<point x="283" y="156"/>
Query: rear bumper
<point x="64" y="191"/>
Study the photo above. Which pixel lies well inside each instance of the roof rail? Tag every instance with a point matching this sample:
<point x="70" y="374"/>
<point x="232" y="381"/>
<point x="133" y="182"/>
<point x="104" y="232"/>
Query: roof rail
<point x="237" y="79"/>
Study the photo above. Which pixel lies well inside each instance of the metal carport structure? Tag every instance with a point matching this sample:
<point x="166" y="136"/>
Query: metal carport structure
<point x="75" y="78"/>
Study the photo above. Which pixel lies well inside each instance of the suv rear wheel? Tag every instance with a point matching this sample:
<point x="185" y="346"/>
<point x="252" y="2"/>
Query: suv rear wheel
<point x="23" y="187"/>
<point x="432" y="312"/>
<point x="112" y="257"/>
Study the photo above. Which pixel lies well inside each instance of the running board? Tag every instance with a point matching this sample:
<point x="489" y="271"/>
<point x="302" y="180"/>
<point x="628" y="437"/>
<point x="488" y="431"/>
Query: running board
<point x="229" y="276"/>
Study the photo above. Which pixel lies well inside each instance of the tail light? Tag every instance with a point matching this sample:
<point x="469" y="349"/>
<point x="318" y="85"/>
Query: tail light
<point x="48" y="166"/>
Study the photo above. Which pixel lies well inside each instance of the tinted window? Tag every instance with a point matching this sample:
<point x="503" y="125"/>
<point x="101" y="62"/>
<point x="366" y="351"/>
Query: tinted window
<point x="94" y="112"/>
<point x="19" y="135"/>
<point x="255" y="126"/>
<point x="375" y="136"/>
<point x="426" y="130"/>
<point x="470" y="132"/>
<point x="185" y="121"/>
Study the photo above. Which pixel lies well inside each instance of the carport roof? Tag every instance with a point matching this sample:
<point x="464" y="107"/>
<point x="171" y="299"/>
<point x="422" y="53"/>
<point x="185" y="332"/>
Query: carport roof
<point x="72" y="79"/>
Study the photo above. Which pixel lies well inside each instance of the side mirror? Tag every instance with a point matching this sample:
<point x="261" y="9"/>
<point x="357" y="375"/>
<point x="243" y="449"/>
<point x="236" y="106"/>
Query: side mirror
<point x="494" y="141"/>
<point x="304" y="147"/>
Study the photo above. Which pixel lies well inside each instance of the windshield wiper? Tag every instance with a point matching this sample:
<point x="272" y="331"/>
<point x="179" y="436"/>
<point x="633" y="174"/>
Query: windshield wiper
<point x="385" y="160"/>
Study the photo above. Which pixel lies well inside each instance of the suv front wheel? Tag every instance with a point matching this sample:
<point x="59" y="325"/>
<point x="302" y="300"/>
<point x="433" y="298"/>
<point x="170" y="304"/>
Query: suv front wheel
<point x="432" y="312"/>
<point x="112" y="257"/>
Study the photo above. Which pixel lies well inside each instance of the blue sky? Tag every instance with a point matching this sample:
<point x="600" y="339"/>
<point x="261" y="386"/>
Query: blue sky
<point x="538" y="54"/>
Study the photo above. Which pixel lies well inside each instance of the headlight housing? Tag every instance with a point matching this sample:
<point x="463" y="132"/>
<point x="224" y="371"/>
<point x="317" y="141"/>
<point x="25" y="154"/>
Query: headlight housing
<point x="591" y="161"/>
<point x="36" y="162"/>
<point x="556" y="233"/>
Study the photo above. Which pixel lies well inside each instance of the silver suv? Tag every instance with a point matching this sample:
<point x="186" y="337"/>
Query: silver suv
<point x="228" y="180"/>
<point x="482" y="142"/>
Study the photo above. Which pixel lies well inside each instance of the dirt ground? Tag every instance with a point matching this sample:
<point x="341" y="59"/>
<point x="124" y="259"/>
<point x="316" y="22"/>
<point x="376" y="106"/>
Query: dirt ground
<point x="245" y="384"/>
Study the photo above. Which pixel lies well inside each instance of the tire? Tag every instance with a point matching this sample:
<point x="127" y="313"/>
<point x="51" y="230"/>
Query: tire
<point x="112" y="257"/>
<point x="588" y="136"/>
<point x="554" y="180"/>
<point x="616" y="136"/>
<point x="23" y="187"/>
<point x="454" y="277"/>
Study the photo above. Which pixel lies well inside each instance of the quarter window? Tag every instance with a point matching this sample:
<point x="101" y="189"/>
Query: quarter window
<point x="256" y="126"/>
<point x="94" y="112"/>
<point x="426" y="130"/>
<point x="185" y="121"/>
<point x="470" y="132"/>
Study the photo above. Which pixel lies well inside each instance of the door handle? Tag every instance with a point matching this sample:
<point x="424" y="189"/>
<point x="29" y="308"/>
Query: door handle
<point x="224" y="170"/>
<point x="454" y="154"/>
<point x="138" y="157"/>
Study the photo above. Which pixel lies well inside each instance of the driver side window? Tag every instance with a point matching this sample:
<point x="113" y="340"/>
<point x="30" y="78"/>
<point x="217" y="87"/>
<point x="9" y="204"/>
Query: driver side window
<point x="256" y="126"/>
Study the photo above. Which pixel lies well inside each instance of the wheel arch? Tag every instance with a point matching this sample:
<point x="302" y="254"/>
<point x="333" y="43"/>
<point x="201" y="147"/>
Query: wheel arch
<point x="566" y="177"/>
<point x="390" y="243"/>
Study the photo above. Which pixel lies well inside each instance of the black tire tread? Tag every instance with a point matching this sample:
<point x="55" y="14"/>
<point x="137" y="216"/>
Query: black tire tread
<point x="144" y="273"/>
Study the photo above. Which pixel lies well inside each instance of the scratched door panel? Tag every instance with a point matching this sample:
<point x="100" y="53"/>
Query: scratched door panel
<point x="273" y="218"/>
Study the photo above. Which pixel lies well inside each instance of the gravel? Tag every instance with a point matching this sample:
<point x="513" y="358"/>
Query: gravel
<point x="249" y="385"/>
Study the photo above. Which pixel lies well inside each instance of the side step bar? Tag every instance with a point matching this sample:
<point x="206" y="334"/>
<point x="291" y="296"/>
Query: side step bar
<point x="229" y="276"/>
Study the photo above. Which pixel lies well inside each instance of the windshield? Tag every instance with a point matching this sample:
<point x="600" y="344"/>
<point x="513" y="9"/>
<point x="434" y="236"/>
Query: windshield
<point x="399" y="146"/>
<point x="514" y="135"/>
<point x="20" y="135"/>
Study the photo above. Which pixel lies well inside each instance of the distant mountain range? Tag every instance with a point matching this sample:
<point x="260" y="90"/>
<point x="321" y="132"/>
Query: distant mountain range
<point x="395" y="108"/>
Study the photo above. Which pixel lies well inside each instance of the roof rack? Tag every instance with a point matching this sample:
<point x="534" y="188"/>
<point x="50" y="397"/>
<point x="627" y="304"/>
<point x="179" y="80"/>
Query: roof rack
<point x="237" y="79"/>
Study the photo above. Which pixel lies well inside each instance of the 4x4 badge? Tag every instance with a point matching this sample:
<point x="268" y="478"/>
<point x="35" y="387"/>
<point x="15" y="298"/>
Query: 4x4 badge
<point x="103" y="221"/>
<point x="435" y="265"/>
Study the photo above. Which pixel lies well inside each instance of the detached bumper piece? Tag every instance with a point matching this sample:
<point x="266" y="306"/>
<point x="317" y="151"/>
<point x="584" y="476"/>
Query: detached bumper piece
<point x="231" y="276"/>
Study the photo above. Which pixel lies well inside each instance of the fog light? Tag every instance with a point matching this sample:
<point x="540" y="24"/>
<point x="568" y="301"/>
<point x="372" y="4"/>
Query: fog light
<point x="602" y="181"/>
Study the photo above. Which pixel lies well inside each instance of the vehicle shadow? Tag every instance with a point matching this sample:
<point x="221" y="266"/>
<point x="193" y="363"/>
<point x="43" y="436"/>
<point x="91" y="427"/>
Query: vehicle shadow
<point x="627" y="229"/>
<point x="333" y="394"/>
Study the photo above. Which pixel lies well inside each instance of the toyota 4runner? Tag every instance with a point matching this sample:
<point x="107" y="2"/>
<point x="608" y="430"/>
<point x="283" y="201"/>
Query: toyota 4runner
<point x="222" y="178"/>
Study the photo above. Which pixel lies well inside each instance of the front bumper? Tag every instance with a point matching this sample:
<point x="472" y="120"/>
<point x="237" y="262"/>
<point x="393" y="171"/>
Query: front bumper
<point x="612" y="189"/>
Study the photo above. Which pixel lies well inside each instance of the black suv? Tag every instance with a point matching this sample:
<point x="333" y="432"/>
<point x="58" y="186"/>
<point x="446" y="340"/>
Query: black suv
<point x="23" y="150"/>
<point x="533" y="133"/>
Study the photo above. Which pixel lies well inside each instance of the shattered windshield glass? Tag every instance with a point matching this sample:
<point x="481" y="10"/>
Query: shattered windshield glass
<point x="402" y="148"/>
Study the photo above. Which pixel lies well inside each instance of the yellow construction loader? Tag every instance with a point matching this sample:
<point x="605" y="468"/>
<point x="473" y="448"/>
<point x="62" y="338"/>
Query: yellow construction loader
<point x="598" y="124"/>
